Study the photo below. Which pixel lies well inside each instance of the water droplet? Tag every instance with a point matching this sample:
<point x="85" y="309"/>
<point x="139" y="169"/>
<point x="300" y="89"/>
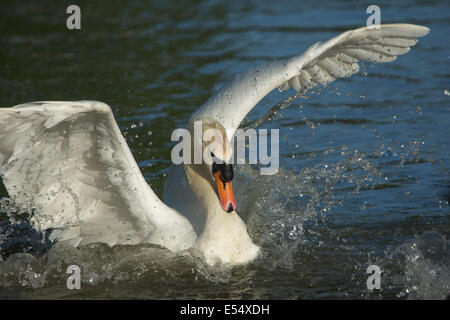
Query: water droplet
<point x="419" y="110"/>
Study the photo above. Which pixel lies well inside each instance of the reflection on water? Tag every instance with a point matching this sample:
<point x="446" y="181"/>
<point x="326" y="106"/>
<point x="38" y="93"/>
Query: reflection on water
<point x="364" y="173"/>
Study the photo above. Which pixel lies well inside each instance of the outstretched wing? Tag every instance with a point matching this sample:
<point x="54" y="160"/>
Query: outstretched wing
<point x="321" y="64"/>
<point x="70" y="161"/>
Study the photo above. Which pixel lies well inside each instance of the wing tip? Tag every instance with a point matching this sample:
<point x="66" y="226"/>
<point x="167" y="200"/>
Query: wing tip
<point x="89" y="105"/>
<point x="415" y="29"/>
<point x="97" y="105"/>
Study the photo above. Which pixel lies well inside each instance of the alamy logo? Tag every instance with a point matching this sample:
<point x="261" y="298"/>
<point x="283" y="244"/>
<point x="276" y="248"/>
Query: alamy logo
<point x="206" y="143"/>
<point x="74" y="280"/>
<point x="74" y="20"/>
<point x="374" y="20"/>
<point x="374" y="281"/>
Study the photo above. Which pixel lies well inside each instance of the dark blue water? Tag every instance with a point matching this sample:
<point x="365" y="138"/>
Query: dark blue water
<point x="364" y="173"/>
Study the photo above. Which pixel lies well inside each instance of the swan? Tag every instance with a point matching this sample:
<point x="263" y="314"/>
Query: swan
<point x="69" y="160"/>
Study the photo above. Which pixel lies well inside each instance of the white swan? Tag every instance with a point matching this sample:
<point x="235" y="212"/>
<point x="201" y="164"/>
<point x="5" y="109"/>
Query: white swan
<point x="71" y="162"/>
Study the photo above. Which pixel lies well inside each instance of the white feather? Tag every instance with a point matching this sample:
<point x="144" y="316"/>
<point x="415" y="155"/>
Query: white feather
<point x="74" y="166"/>
<point x="321" y="64"/>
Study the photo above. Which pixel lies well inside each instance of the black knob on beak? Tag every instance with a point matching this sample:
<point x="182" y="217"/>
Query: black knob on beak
<point x="226" y="171"/>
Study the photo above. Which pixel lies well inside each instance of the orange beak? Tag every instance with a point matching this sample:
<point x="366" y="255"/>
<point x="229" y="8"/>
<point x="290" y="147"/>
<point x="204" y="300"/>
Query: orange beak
<point x="225" y="192"/>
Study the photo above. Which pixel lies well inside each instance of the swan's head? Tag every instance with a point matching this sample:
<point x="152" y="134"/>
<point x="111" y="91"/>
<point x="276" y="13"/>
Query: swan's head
<point x="217" y="154"/>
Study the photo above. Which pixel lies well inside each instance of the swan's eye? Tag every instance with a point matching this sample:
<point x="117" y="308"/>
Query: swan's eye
<point x="212" y="155"/>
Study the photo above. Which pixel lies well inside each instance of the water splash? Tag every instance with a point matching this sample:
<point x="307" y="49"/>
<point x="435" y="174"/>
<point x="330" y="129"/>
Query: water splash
<point x="419" y="268"/>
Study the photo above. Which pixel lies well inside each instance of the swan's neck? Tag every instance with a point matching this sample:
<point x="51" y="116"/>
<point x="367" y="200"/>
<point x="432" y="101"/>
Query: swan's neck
<point x="224" y="238"/>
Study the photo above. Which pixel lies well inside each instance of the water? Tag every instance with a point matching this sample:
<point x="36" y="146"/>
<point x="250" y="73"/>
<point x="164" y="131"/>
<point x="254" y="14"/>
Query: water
<point x="364" y="173"/>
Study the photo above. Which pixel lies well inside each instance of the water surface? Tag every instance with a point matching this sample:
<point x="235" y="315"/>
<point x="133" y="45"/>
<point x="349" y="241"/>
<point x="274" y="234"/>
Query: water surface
<point x="364" y="175"/>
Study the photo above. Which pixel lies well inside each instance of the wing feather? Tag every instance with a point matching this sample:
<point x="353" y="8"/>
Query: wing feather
<point x="70" y="161"/>
<point x="321" y="64"/>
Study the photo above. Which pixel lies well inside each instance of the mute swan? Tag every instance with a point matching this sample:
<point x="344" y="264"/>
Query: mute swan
<point x="71" y="162"/>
